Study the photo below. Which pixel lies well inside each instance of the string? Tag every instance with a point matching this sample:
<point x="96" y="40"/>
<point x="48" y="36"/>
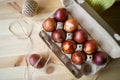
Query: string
<point x="27" y="35"/>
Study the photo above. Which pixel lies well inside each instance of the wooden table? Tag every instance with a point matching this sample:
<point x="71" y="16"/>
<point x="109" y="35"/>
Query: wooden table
<point x="14" y="50"/>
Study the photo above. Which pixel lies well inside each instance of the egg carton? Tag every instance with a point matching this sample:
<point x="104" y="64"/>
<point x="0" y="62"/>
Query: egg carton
<point x="87" y="68"/>
<point x="98" y="30"/>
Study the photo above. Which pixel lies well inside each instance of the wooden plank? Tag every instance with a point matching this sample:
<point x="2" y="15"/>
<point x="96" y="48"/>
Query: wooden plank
<point x="19" y="73"/>
<point x="11" y="61"/>
<point x="59" y="73"/>
<point x="20" y="60"/>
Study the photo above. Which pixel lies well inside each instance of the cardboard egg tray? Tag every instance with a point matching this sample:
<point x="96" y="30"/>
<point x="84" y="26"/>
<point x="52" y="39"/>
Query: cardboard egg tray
<point x="87" y="68"/>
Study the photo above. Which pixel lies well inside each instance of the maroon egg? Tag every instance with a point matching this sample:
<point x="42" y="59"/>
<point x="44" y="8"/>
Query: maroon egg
<point x="70" y="25"/>
<point x="69" y="46"/>
<point x="33" y="59"/>
<point x="90" y="47"/>
<point x="61" y="15"/>
<point x="80" y="36"/>
<point x="78" y="57"/>
<point x="99" y="58"/>
<point x="58" y="35"/>
<point x="35" y="62"/>
<point x="49" y="25"/>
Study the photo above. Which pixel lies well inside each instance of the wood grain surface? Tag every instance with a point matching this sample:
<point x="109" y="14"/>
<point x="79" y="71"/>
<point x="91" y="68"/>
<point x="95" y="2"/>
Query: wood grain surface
<point x="13" y="50"/>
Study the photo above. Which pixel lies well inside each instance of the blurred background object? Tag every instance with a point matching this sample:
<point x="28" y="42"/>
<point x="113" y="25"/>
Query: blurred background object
<point x="101" y="5"/>
<point x="112" y="16"/>
<point x="109" y="10"/>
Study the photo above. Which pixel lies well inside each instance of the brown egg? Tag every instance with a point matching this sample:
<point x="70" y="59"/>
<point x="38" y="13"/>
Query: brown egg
<point x="90" y="47"/>
<point x="71" y="25"/>
<point x="49" y="25"/>
<point x="58" y="35"/>
<point x="80" y="36"/>
<point x="78" y="57"/>
<point x="69" y="46"/>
